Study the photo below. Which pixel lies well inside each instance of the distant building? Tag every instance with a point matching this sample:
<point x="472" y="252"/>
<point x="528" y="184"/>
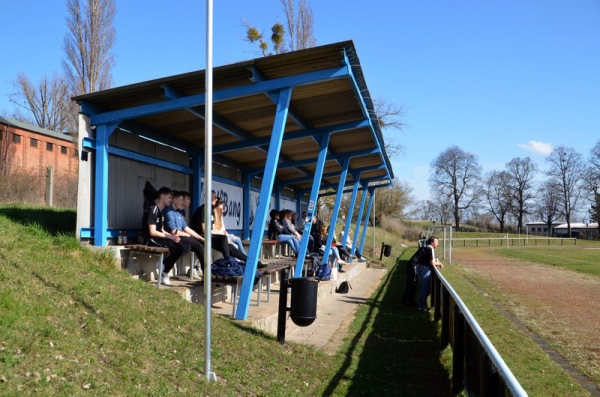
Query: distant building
<point x="588" y="231"/>
<point x="27" y="148"/>
<point x="540" y="228"/>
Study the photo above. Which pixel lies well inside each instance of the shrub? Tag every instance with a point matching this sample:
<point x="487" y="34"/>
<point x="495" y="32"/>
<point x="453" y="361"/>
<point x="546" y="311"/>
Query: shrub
<point x="30" y="188"/>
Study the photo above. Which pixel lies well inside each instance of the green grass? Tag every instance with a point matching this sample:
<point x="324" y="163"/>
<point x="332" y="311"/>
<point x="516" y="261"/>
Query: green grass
<point x="536" y="371"/>
<point x="72" y="323"/>
<point x="584" y="257"/>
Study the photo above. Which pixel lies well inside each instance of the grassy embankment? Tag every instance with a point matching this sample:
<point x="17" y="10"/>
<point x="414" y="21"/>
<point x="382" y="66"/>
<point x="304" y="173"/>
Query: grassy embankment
<point x="71" y="323"/>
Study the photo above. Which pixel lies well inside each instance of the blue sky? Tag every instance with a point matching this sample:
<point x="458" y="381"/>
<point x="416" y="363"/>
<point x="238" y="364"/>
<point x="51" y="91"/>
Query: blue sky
<point x="500" y="79"/>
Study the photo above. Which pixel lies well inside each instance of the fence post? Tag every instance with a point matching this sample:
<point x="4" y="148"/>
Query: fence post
<point x="458" y="351"/>
<point x="49" y="186"/>
<point x="445" y="331"/>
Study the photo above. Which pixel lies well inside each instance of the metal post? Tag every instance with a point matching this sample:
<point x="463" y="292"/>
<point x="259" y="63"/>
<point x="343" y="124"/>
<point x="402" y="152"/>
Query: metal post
<point x="458" y="351"/>
<point x="281" y="316"/>
<point x="210" y="376"/>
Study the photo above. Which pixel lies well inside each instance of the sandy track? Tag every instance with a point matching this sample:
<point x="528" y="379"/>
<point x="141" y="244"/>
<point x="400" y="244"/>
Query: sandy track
<point x="561" y="306"/>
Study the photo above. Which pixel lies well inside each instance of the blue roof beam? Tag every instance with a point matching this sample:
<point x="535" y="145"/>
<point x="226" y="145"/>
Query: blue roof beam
<point x="220" y="95"/>
<point x="293" y="135"/>
<point x="293" y="114"/>
<point x="332" y="174"/>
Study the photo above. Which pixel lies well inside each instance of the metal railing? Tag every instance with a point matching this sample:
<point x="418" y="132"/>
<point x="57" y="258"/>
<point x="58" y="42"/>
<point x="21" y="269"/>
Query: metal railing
<point x="512" y="241"/>
<point x="476" y="365"/>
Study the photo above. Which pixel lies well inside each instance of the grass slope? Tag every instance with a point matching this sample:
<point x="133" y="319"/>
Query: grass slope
<point x="71" y="323"/>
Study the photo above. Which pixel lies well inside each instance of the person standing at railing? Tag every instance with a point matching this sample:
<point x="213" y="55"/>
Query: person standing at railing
<point x="426" y="263"/>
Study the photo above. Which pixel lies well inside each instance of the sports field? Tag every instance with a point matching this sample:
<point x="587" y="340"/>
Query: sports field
<point x="554" y="292"/>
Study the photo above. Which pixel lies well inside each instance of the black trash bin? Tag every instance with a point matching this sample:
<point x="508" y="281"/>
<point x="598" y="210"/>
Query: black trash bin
<point x="303" y="311"/>
<point x="387" y="250"/>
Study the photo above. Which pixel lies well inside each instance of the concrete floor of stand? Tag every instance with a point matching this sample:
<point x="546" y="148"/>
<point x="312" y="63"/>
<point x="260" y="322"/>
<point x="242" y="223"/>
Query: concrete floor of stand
<point x="334" y="311"/>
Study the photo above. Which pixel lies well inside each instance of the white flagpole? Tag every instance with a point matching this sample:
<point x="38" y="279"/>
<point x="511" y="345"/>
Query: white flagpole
<point x="210" y="376"/>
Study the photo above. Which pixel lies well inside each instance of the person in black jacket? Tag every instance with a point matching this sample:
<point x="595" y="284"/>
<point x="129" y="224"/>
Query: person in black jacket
<point x="412" y="281"/>
<point x="426" y="263"/>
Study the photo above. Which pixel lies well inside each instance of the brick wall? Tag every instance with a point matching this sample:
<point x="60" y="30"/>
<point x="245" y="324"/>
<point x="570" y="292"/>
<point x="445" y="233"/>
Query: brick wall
<point x="33" y="151"/>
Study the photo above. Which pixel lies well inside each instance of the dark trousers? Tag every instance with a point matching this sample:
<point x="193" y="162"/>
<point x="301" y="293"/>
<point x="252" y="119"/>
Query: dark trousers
<point x="410" y="291"/>
<point x="175" y="251"/>
<point x="196" y="246"/>
<point x="220" y="243"/>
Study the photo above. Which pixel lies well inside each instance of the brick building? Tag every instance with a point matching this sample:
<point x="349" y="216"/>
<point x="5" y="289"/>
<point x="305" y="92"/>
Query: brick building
<point x="27" y="148"/>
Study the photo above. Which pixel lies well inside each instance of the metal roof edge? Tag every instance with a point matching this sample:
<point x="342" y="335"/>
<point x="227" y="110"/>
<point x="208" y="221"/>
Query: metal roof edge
<point x="33" y="128"/>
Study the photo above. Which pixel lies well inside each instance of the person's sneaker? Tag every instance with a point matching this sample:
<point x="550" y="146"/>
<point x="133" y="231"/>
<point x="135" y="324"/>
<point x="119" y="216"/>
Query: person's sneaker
<point x="362" y="259"/>
<point x="165" y="279"/>
<point x="341" y="271"/>
<point x="342" y="262"/>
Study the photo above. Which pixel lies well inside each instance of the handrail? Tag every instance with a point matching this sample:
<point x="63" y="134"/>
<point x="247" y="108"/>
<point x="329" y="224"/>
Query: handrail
<point x="510" y="382"/>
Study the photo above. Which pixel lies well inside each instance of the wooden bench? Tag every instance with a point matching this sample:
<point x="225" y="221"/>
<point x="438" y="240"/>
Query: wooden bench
<point x="267" y="272"/>
<point x="149" y="250"/>
<point x="273" y="245"/>
<point x="234" y="281"/>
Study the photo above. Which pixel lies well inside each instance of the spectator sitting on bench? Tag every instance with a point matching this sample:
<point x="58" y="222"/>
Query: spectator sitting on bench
<point x="175" y="224"/>
<point x="219" y="229"/>
<point x="348" y="245"/>
<point x="219" y="241"/>
<point x="156" y="236"/>
<point x="276" y="232"/>
<point x="320" y="241"/>
<point x="231" y="238"/>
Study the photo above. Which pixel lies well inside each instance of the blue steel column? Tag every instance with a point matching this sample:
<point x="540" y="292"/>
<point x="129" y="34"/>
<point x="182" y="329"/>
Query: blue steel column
<point x="336" y="208"/>
<point x="363" y="200"/>
<point x="366" y="224"/>
<point x="103" y="132"/>
<point x="350" y="213"/>
<point x="283" y="103"/>
<point x="314" y="193"/>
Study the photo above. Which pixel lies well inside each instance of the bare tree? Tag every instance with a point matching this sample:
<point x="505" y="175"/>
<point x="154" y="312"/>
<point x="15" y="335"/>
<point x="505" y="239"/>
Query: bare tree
<point x="49" y="103"/>
<point x="434" y="210"/>
<point x="455" y="176"/>
<point x="87" y="68"/>
<point x="566" y="171"/>
<point x="300" y="25"/>
<point x="521" y="173"/>
<point x="499" y="195"/>
<point x="88" y="44"/>
<point x="299" y="29"/>
<point x="592" y="181"/>
<point x="6" y="155"/>
<point x="393" y="201"/>
<point x="390" y="117"/>
<point x="547" y="205"/>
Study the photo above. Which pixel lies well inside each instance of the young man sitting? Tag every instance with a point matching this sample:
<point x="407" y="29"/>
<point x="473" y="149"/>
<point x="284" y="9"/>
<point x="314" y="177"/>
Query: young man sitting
<point x="155" y="235"/>
<point x="176" y="224"/>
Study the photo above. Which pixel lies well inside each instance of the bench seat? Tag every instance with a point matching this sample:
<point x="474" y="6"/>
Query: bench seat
<point x="234" y="281"/>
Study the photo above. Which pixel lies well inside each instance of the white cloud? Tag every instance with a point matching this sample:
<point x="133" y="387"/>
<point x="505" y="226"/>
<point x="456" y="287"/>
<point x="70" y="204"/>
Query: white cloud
<point x="536" y="147"/>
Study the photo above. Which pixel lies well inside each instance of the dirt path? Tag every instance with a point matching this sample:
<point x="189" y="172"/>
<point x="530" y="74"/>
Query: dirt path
<point x="561" y="306"/>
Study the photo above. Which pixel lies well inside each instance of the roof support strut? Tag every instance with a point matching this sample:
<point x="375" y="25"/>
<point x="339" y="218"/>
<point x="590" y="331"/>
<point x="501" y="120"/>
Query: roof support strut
<point x="366" y="223"/>
<point x="266" y="189"/>
<point x="350" y="213"/>
<point x="314" y="193"/>
<point x="336" y="208"/>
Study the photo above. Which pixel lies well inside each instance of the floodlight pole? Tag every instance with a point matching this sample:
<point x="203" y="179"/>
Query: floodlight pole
<point x="210" y="376"/>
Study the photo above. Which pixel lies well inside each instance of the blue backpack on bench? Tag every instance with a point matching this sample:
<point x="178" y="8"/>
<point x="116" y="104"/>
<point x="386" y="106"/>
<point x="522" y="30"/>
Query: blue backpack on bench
<point x="324" y="272"/>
